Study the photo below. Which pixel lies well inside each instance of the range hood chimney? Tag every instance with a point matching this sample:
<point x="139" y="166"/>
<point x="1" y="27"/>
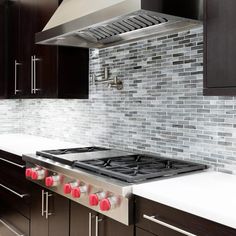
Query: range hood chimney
<point x="105" y="23"/>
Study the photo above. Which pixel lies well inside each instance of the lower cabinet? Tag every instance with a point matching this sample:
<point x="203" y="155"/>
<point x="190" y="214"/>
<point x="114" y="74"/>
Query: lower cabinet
<point x="153" y="218"/>
<point x="14" y="196"/>
<point x="85" y="222"/>
<point x="49" y="213"/>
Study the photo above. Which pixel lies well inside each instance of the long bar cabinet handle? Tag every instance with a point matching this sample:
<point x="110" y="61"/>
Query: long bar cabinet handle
<point x="14" y="192"/>
<point x="12" y="163"/>
<point x="97" y="220"/>
<point x="90" y="224"/>
<point x="16" y="90"/>
<point x="153" y="219"/>
<point x="47" y="213"/>
<point x="35" y="60"/>
<point x="32" y="75"/>
<point x="42" y="201"/>
<point x="8" y="226"/>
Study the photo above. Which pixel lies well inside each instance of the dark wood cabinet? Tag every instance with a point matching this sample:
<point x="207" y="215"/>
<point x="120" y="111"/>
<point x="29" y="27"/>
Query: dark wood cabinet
<point x="150" y="216"/>
<point x="14" y="196"/>
<point x="84" y="220"/>
<point x="25" y="18"/>
<point x="49" y="213"/>
<point x="38" y="71"/>
<point x="220" y="51"/>
<point x="2" y="50"/>
<point x="141" y="232"/>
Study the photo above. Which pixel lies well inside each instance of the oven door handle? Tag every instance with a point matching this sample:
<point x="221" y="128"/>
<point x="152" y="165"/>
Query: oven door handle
<point x="169" y="226"/>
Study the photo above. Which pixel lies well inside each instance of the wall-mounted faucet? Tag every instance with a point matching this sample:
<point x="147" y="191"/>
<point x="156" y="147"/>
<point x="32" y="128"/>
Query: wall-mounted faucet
<point x="111" y="83"/>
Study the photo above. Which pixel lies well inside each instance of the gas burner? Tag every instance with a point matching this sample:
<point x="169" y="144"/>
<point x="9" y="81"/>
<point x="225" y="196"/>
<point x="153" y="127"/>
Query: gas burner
<point x="137" y="168"/>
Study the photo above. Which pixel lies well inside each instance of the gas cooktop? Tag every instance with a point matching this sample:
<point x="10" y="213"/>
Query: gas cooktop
<point x="100" y="178"/>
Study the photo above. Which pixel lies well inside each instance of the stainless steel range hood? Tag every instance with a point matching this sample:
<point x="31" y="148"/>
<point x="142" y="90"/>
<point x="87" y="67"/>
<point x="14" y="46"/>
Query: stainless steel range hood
<point x="105" y="23"/>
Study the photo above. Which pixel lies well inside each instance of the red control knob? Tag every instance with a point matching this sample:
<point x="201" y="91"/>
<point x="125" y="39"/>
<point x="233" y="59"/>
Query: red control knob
<point x="49" y="181"/>
<point x="93" y="200"/>
<point x="75" y="192"/>
<point x="105" y="205"/>
<point x="38" y="174"/>
<point x="28" y="172"/>
<point x="34" y="175"/>
<point x="69" y="186"/>
<point x="52" y="181"/>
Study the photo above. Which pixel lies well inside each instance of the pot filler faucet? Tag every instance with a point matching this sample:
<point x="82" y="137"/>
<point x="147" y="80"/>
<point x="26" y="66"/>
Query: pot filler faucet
<point x="111" y="82"/>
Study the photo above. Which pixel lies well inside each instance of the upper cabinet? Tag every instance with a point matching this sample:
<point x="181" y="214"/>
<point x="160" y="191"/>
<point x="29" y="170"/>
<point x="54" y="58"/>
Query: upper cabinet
<point x="37" y="71"/>
<point x="220" y="50"/>
<point x="2" y="48"/>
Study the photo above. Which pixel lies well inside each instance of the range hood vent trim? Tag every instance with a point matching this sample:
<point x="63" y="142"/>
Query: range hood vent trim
<point x="124" y="22"/>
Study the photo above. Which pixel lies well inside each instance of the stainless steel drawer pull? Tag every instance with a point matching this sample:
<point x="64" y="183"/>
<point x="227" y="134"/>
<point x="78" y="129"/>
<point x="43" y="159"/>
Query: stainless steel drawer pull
<point x="47" y="213"/>
<point x="11" y="228"/>
<point x="14" y="192"/>
<point x="90" y="224"/>
<point x="12" y="163"/>
<point x="153" y="219"/>
<point x="16" y="77"/>
<point x="34" y="60"/>
<point x="97" y="220"/>
<point x="43" y="211"/>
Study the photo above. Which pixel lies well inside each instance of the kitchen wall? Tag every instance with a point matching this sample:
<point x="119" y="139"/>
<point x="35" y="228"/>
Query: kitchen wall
<point x="10" y="116"/>
<point x="160" y="110"/>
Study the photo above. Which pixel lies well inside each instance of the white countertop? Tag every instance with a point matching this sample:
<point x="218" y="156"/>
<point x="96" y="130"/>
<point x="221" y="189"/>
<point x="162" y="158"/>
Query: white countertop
<point x="210" y="195"/>
<point x="27" y="144"/>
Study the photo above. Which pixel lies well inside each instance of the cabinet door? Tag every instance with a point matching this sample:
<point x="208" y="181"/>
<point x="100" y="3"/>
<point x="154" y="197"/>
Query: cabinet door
<point x="109" y="227"/>
<point x="26" y="45"/>
<point x="59" y="220"/>
<point x="2" y="53"/>
<point x="46" y="56"/>
<point x="81" y="220"/>
<point x="220" y="50"/>
<point x="57" y="208"/>
<point x="39" y="224"/>
<point x="14" y="65"/>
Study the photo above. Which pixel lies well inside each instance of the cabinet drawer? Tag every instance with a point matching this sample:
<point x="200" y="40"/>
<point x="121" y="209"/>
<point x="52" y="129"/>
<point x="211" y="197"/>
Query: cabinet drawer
<point x="13" y="224"/>
<point x="12" y="159"/>
<point x="162" y="220"/>
<point x="15" y="198"/>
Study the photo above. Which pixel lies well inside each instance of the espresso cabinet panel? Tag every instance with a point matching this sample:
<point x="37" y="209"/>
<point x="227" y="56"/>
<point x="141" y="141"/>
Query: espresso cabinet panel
<point x="2" y="50"/>
<point x="140" y="232"/>
<point x="147" y="212"/>
<point x="14" y="196"/>
<point x="38" y="71"/>
<point x="220" y="51"/>
<point x="57" y="220"/>
<point x="83" y="221"/>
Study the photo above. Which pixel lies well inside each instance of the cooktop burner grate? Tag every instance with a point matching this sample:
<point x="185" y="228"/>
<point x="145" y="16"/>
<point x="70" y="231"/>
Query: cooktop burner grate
<point x="137" y="168"/>
<point x="57" y="154"/>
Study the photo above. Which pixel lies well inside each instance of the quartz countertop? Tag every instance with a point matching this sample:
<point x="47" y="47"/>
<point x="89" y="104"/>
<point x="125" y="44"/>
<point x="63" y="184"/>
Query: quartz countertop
<point x="210" y="195"/>
<point x="19" y="144"/>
